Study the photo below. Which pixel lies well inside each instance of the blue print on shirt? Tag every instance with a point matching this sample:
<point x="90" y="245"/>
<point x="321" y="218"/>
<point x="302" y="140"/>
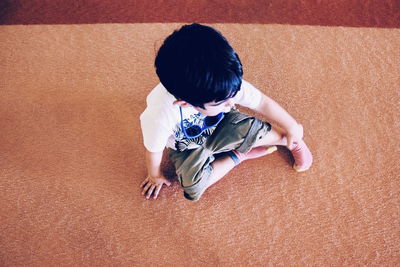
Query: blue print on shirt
<point x="181" y="142"/>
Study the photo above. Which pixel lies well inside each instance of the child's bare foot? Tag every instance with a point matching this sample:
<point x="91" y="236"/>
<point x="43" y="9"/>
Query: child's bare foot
<point x="303" y="158"/>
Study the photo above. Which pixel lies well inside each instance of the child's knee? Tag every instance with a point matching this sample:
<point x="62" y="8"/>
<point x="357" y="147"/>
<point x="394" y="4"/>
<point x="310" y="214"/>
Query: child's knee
<point x="193" y="196"/>
<point x="271" y="137"/>
<point x="194" y="187"/>
<point x="195" y="192"/>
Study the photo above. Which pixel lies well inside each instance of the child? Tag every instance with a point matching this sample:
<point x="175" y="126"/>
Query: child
<point x="192" y="113"/>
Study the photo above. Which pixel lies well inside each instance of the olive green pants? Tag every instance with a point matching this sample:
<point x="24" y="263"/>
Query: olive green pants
<point x="237" y="131"/>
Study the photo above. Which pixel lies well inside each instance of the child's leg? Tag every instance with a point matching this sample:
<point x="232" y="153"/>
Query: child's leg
<point x="263" y="146"/>
<point x="301" y="153"/>
<point x="220" y="167"/>
<point x="273" y="138"/>
<point x="225" y="163"/>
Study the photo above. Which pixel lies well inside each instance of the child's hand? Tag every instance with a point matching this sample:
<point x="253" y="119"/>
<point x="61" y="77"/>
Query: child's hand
<point x="152" y="186"/>
<point x="294" y="134"/>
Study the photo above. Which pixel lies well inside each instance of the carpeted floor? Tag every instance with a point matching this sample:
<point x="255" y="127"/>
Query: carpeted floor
<point x="72" y="159"/>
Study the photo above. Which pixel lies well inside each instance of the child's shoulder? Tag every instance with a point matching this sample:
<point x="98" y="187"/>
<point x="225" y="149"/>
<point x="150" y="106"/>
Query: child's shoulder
<point x="159" y="96"/>
<point x="159" y="103"/>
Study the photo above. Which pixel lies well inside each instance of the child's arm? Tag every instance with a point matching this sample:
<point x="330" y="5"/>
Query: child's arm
<point x="275" y="113"/>
<point x="155" y="179"/>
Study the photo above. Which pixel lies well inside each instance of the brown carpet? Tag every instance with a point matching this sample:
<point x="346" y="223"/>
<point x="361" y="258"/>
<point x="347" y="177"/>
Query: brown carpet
<point x="71" y="158"/>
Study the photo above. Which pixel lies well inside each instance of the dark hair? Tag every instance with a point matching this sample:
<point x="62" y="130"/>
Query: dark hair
<point x="197" y="64"/>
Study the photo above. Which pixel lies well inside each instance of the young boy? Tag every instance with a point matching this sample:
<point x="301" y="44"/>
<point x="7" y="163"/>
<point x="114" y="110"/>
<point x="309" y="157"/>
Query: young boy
<point x="192" y="113"/>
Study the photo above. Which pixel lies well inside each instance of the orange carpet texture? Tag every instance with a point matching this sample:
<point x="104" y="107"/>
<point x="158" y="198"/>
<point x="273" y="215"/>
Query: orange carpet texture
<point x="72" y="160"/>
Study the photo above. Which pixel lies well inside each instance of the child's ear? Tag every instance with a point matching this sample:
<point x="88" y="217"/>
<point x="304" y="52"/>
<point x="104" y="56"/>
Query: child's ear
<point x="181" y="103"/>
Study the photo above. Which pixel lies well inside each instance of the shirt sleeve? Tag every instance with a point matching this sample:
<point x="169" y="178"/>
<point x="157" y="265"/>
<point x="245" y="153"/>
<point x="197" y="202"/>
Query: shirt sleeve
<point x="248" y="96"/>
<point x="154" y="130"/>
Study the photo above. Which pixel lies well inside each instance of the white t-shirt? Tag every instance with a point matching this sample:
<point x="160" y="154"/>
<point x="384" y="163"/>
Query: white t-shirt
<point x="161" y="120"/>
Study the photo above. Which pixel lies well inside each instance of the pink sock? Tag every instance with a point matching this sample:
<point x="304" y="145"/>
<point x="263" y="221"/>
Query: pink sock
<point x="303" y="158"/>
<point x="253" y="153"/>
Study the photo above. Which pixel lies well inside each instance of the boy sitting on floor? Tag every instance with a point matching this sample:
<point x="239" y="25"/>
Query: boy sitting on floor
<point x="192" y="113"/>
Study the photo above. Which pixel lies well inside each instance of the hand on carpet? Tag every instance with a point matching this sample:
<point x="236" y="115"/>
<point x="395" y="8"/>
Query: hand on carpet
<point x="152" y="186"/>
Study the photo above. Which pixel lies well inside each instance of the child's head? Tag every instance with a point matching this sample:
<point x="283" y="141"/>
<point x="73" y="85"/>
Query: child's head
<point x="196" y="64"/>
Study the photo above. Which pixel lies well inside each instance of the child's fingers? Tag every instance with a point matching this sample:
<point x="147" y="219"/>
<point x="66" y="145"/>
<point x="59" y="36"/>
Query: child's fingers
<point x="158" y="189"/>
<point x="144" y="182"/>
<point x="146" y="188"/>
<point x="150" y="192"/>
